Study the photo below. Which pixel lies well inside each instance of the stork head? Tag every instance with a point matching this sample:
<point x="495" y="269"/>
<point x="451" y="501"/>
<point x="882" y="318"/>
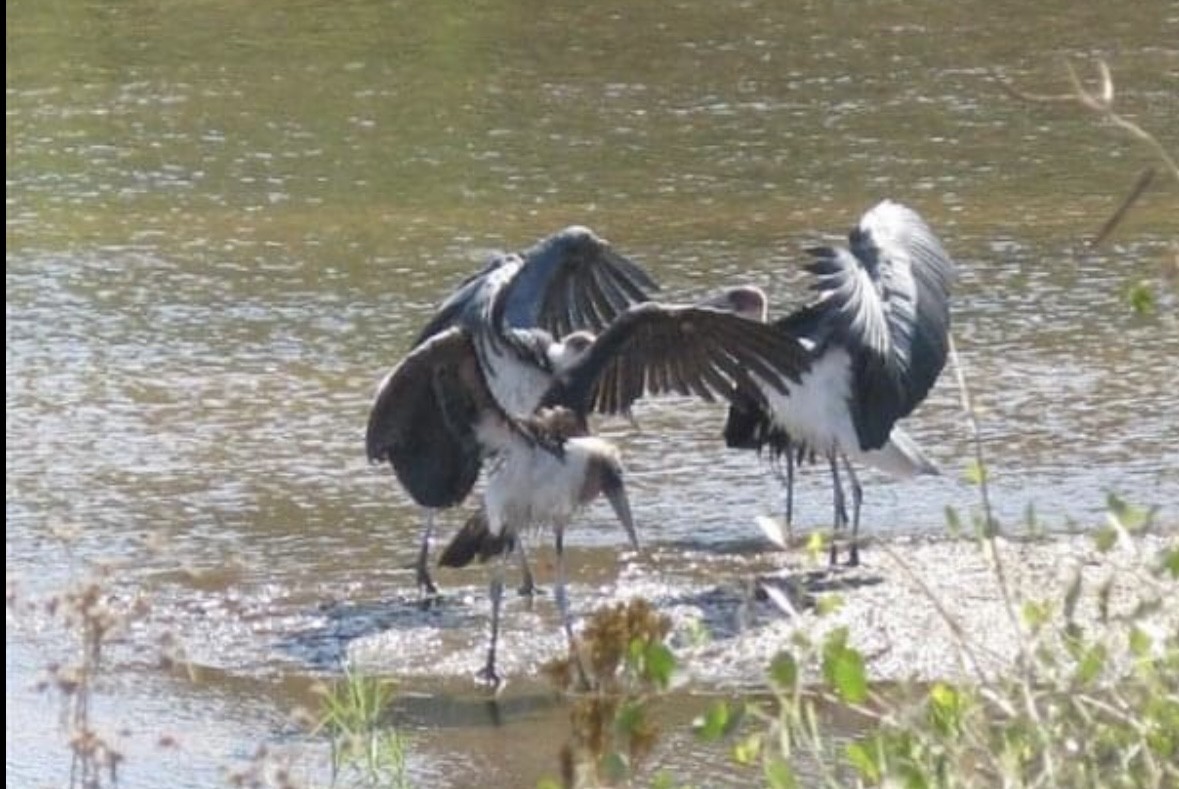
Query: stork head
<point x="748" y="301"/>
<point x="571" y="347"/>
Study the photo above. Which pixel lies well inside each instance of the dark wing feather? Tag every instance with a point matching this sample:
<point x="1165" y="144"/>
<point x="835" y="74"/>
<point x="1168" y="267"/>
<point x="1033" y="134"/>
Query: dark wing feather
<point x="475" y="541"/>
<point x="743" y="425"/>
<point x="435" y="461"/>
<point x="571" y="280"/>
<point x="464" y="307"/>
<point x="654" y="349"/>
<point x="425" y="417"/>
<point x="748" y="425"/>
<point x="808" y="322"/>
<point x="887" y="301"/>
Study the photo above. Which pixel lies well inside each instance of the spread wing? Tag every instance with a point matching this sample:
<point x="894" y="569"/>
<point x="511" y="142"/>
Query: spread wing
<point x="433" y="418"/>
<point x="569" y="281"/>
<point x="886" y="299"/>
<point x="466" y="305"/>
<point x="656" y="349"/>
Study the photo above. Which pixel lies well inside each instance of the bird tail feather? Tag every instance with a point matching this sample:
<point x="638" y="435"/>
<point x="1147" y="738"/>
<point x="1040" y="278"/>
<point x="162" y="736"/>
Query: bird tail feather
<point x="475" y="541"/>
<point x="900" y="457"/>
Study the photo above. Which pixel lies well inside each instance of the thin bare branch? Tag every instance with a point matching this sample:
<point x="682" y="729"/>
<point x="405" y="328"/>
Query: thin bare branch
<point x="1008" y="87"/>
<point x="1100" y="102"/>
<point x="1140" y="186"/>
<point x="989" y="539"/>
<point x="1094" y="102"/>
<point x="992" y="525"/>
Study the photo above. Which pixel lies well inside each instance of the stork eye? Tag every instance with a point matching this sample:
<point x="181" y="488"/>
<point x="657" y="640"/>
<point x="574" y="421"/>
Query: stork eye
<point x="577" y="343"/>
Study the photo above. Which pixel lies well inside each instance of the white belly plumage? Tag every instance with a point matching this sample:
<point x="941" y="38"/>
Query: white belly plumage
<point x="515" y="384"/>
<point x="815" y="412"/>
<point x="531" y="487"/>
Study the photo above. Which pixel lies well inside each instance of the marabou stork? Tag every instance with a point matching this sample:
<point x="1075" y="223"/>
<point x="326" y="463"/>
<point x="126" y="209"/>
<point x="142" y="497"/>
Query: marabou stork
<point x="545" y="465"/>
<point x="568" y="281"/>
<point x="877" y="337"/>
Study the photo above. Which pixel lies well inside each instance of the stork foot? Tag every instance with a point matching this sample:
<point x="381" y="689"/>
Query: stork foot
<point x="489" y="677"/>
<point x="529" y="589"/>
<point x="425" y="582"/>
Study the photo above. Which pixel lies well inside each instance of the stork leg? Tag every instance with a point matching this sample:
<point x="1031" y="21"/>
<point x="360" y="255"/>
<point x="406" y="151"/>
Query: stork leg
<point x="840" y="508"/>
<point x="488" y="675"/>
<point x="425" y="583"/>
<point x="787" y="479"/>
<point x="563" y="606"/>
<point x="853" y="558"/>
<point x="789" y="487"/>
<point x="527" y="583"/>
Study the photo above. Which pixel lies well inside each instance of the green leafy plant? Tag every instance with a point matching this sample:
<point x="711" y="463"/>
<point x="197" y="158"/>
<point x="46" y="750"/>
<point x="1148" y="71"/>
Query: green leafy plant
<point x="630" y="664"/>
<point x="1085" y="706"/>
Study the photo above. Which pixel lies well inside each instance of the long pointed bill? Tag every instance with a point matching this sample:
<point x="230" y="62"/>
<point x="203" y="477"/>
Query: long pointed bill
<point x="616" y="495"/>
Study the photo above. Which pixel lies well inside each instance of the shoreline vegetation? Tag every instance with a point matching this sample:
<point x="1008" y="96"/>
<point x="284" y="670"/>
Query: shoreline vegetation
<point x="905" y="669"/>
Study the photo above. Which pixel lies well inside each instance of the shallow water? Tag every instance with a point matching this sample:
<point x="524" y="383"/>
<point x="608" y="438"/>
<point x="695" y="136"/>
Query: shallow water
<point x="224" y="223"/>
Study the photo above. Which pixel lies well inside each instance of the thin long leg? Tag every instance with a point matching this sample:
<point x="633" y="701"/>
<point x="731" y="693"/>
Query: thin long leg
<point x="527" y="583"/>
<point x="840" y="509"/>
<point x="789" y="487"/>
<point x="425" y="583"/>
<point x="488" y="674"/>
<point x="563" y="606"/>
<point x="853" y="558"/>
<point x="787" y="479"/>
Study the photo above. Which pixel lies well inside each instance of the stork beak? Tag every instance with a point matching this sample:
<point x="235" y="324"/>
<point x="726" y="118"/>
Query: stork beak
<point x="616" y="495"/>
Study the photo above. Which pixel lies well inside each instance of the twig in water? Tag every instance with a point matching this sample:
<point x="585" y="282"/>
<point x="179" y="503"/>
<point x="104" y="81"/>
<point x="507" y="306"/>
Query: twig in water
<point x="1101" y="102"/>
<point x="1144" y="180"/>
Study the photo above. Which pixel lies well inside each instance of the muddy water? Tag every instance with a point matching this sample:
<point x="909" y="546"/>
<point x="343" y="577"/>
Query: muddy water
<point x="224" y="222"/>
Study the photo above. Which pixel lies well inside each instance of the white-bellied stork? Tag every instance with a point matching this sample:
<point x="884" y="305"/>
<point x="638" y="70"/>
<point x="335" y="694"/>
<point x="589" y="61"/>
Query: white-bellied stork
<point x="568" y="281"/>
<point x="439" y="404"/>
<point x="877" y="335"/>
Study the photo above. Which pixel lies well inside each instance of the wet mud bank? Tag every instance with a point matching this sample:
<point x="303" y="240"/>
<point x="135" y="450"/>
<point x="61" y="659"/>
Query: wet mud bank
<point x="918" y="608"/>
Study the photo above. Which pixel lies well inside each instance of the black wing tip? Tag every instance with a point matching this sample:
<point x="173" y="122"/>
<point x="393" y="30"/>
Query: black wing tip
<point x="752" y="429"/>
<point x="740" y="430"/>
